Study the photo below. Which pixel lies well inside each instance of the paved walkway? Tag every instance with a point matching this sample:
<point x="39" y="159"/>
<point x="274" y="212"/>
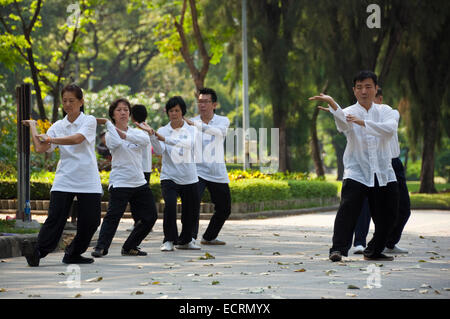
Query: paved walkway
<point x="264" y="258"/>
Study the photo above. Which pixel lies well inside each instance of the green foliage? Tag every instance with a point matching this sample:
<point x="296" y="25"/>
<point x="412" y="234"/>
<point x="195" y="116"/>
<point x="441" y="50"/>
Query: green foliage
<point x="97" y="103"/>
<point x="254" y="190"/>
<point x="9" y="226"/>
<point x="312" y="189"/>
<point x="250" y="190"/>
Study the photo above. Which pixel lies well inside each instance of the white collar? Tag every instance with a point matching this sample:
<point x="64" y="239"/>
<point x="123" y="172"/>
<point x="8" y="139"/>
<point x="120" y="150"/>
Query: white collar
<point x="77" y="122"/>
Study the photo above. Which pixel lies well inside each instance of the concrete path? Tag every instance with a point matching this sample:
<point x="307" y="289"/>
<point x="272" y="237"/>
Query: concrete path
<point x="264" y="258"/>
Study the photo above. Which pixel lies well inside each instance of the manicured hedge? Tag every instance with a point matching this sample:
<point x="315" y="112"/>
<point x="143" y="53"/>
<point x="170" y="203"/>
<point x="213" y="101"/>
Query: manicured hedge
<point x="242" y="191"/>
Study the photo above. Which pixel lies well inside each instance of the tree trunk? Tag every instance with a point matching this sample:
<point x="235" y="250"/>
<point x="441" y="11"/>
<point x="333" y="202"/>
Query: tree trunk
<point x="315" y="149"/>
<point x="37" y="87"/>
<point x="428" y="155"/>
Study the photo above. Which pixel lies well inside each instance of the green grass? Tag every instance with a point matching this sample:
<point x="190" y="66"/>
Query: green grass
<point x="435" y="201"/>
<point x="414" y="186"/>
<point x="8" y="226"/>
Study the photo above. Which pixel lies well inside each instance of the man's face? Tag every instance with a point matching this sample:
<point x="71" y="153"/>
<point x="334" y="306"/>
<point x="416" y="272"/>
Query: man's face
<point x="205" y="105"/>
<point x="365" y="91"/>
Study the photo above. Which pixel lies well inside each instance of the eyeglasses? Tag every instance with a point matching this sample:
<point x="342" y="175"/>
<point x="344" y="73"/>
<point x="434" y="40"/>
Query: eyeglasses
<point x="203" y="101"/>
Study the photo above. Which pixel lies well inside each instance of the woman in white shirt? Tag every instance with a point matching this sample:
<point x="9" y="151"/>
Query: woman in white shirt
<point x="76" y="175"/>
<point x="127" y="183"/>
<point x="178" y="176"/>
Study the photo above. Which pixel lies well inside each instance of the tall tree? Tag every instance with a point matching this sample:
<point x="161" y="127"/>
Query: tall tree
<point x="184" y="36"/>
<point x="425" y="64"/>
<point x="272" y="24"/>
<point x="26" y="21"/>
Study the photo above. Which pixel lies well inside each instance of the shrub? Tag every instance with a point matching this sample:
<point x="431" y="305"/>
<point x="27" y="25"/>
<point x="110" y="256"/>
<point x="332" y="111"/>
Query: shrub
<point x="247" y="190"/>
<point x="254" y="190"/>
<point x="312" y="189"/>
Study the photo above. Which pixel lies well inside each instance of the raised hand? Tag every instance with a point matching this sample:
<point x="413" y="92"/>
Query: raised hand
<point x="189" y="122"/>
<point x="144" y="126"/>
<point x="354" y="119"/>
<point x="101" y="120"/>
<point x="29" y="123"/>
<point x="326" y="109"/>
<point x="324" y="98"/>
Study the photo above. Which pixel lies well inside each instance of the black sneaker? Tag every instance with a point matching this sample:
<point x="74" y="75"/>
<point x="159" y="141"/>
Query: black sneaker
<point x="33" y="258"/>
<point x="77" y="259"/>
<point x="98" y="252"/>
<point x="133" y="252"/>
<point x="379" y="257"/>
<point x="335" y="256"/>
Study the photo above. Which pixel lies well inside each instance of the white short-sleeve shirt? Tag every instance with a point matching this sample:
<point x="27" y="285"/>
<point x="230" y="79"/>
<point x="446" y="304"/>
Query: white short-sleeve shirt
<point x="178" y="154"/>
<point x="77" y="170"/>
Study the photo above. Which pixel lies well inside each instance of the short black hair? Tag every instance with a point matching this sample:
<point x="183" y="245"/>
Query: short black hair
<point x="379" y="92"/>
<point x="210" y="92"/>
<point x="174" y="101"/>
<point x="362" y="75"/>
<point x="139" y="113"/>
<point x="75" y="89"/>
<point x="114" y="104"/>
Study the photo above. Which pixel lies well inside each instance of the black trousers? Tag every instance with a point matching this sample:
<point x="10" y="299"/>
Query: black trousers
<point x="143" y="209"/>
<point x="221" y="198"/>
<point x="383" y="203"/>
<point x="89" y="212"/>
<point x="404" y="211"/>
<point x="190" y="206"/>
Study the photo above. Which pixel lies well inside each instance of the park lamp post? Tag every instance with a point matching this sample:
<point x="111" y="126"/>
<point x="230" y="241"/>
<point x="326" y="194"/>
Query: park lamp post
<point x="23" y="99"/>
<point x="245" y="110"/>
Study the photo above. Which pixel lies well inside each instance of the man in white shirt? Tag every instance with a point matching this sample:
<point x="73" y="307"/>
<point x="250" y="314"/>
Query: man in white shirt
<point x="211" y="169"/>
<point x="404" y="209"/>
<point x="368" y="171"/>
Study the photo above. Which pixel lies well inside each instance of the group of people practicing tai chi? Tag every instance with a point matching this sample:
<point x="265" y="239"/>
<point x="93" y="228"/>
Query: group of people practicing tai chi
<point x="372" y="172"/>
<point x="184" y="173"/>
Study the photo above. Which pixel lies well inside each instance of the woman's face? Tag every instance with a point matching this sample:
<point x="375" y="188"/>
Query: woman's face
<point x="71" y="104"/>
<point x="175" y="113"/>
<point x="121" y="113"/>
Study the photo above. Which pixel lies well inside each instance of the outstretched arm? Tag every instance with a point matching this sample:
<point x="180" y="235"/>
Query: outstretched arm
<point x="40" y="145"/>
<point x="339" y="115"/>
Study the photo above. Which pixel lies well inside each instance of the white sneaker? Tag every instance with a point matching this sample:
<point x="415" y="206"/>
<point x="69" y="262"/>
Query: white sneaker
<point x="395" y="250"/>
<point x="359" y="250"/>
<point x="191" y="245"/>
<point x="167" y="246"/>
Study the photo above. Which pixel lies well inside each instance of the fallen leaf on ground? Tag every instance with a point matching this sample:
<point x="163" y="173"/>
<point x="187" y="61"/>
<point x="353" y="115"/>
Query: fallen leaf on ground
<point x="408" y="289"/>
<point x="207" y="256"/>
<point x="95" y="279"/>
<point x="300" y="270"/>
<point x="352" y="287"/>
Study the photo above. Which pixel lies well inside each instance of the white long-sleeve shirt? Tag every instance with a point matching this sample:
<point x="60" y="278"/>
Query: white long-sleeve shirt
<point x="177" y="152"/>
<point x="211" y="163"/>
<point x="126" y="163"/>
<point x="77" y="169"/>
<point x="395" y="147"/>
<point x="368" y="151"/>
